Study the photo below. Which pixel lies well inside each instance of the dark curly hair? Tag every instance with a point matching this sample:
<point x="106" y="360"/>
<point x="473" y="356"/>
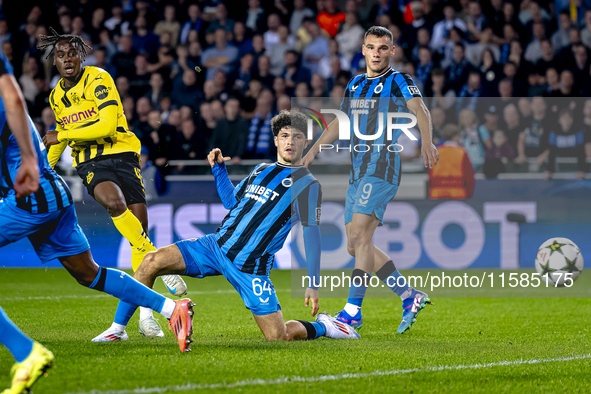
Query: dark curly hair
<point x="294" y="119"/>
<point x="52" y="40"/>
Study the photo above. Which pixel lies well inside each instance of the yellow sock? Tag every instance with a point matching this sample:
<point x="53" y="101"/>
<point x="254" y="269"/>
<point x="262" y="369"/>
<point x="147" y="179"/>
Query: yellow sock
<point x="137" y="256"/>
<point x="130" y="227"/>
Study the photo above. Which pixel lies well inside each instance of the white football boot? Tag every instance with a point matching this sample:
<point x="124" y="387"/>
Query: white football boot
<point x="149" y="327"/>
<point x="175" y="285"/>
<point x="336" y="329"/>
<point x="111" y="335"/>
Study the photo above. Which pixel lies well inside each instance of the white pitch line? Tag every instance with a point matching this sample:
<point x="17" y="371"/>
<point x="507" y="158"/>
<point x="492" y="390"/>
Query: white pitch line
<point x="325" y="378"/>
<point x="68" y="296"/>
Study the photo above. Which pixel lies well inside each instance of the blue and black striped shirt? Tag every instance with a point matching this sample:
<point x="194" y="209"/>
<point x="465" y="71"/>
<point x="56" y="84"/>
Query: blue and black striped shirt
<point x="391" y="90"/>
<point x="263" y="208"/>
<point x="53" y="193"/>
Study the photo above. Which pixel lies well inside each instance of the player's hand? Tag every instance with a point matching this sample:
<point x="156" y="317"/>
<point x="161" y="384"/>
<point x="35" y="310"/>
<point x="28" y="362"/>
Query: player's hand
<point x="308" y="159"/>
<point x="50" y="138"/>
<point x="430" y="155"/>
<point x="216" y="157"/>
<point x="27" y="178"/>
<point x="312" y="295"/>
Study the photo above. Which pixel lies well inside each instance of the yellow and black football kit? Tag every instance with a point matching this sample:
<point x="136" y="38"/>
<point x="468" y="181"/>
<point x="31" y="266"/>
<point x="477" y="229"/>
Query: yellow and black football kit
<point x="91" y="121"/>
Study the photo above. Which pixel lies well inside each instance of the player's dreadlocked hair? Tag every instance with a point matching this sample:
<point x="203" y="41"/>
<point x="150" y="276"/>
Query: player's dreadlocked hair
<point x="293" y="119"/>
<point x="51" y="41"/>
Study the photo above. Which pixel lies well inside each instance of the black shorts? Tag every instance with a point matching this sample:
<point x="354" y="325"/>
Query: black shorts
<point x="123" y="169"/>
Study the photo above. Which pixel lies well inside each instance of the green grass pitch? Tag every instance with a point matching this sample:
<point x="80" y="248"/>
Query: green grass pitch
<point x="458" y="344"/>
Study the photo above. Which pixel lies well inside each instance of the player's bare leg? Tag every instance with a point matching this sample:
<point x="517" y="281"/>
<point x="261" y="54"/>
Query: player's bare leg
<point x="274" y="328"/>
<point x="164" y="261"/>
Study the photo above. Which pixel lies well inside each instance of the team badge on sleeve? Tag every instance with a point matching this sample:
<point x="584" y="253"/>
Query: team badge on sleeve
<point x="318" y="213"/>
<point x="413" y="90"/>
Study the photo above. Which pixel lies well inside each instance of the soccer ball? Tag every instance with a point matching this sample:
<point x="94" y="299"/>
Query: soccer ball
<point x="557" y="257"/>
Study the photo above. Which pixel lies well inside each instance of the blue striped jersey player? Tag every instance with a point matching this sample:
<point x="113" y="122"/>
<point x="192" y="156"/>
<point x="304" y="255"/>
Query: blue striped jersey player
<point x="375" y="169"/>
<point x="48" y="219"/>
<point x="263" y="208"/>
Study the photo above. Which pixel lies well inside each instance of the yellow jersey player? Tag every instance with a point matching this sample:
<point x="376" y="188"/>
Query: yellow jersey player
<point x="91" y="121"/>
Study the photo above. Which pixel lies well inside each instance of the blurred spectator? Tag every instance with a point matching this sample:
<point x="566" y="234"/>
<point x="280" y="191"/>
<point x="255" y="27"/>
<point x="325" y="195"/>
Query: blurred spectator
<point x="439" y="94"/>
<point x="164" y="137"/>
<point x="477" y="21"/>
<point x="123" y="61"/>
<point x="325" y="66"/>
<point x="293" y="73"/>
<point x="491" y="73"/>
<point x="410" y="31"/>
<point x="258" y="48"/>
<point x="438" y="121"/>
<point x="471" y="91"/>
<point x="566" y="85"/>
<point x="122" y="84"/>
<point x="42" y="97"/>
<point x="474" y="51"/>
<point x="240" y="40"/>
<point x="533" y="51"/>
<point x="454" y="176"/>
<point x="185" y="90"/>
<point x="230" y="133"/>
<point x="194" y="23"/>
<point x="533" y="140"/>
<point x="78" y="29"/>
<point x="65" y="21"/>
<point x="423" y="38"/>
<point x="456" y="74"/>
<point x="277" y="51"/>
<point x="139" y="83"/>
<point x="546" y="57"/>
<point x="318" y="86"/>
<point x="186" y="142"/>
<point x="222" y="21"/>
<point x="298" y="15"/>
<point x="220" y="57"/>
<point x="279" y="88"/>
<point x="448" y="53"/>
<point x="500" y="149"/>
<point x="27" y="82"/>
<point x="5" y="34"/>
<point x="206" y="124"/>
<point x="512" y="123"/>
<point x="260" y="137"/>
<point x="264" y="72"/>
<point x="144" y="41"/>
<point x="284" y="103"/>
<point x="424" y="66"/>
<point x="114" y="22"/>
<point x="475" y="140"/>
<point x="129" y="110"/>
<point x="331" y="18"/>
<point x="48" y="120"/>
<point x="154" y="182"/>
<point x="316" y="49"/>
<point x="385" y="7"/>
<point x="169" y="24"/>
<point x="97" y="24"/>
<point x="441" y="29"/>
<point x="561" y="37"/>
<point x="566" y="140"/>
<point x="255" y="17"/>
<point x="139" y="125"/>
<point x="156" y="91"/>
<point x="350" y="37"/>
<point x="217" y="110"/>
<point x="552" y="81"/>
<point x="271" y="36"/>
<point x="241" y="76"/>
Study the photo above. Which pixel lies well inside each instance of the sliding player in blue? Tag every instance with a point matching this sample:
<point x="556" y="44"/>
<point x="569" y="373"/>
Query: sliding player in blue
<point x="263" y="209"/>
<point x="47" y="217"/>
<point x="375" y="173"/>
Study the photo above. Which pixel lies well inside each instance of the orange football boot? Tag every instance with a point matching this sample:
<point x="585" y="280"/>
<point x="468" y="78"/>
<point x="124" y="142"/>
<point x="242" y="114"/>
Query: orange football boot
<point x="181" y="323"/>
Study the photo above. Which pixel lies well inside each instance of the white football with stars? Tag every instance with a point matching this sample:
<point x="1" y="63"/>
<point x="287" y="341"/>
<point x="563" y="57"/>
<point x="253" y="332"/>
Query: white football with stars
<point x="558" y="257"/>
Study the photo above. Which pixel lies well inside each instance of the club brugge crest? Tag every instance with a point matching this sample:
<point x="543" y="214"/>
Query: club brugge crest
<point x="378" y="88"/>
<point x="75" y="98"/>
<point x="287" y="182"/>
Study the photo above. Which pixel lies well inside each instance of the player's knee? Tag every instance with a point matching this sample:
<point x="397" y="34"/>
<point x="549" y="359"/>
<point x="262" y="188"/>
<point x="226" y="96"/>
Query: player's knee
<point x="356" y="239"/>
<point x="116" y="206"/>
<point x="350" y="249"/>
<point x="152" y="262"/>
<point x="277" y="336"/>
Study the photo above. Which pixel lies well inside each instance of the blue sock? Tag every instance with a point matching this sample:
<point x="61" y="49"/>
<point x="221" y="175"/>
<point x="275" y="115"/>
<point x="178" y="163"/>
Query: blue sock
<point x="15" y="341"/>
<point x="124" y="312"/>
<point x="390" y="276"/>
<point x="119" y="284"/>
<point x="358" y="287"/>
<point x="319" y="327"/>
<point x="313" y="329"/>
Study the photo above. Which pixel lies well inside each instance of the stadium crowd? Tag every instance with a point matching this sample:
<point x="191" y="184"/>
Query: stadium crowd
<point x="511" y="74"/>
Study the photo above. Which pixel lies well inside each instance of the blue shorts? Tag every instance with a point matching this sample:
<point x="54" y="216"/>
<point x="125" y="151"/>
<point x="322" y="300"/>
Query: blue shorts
<point x="369" y="195"/>
<point x="203" y="258"/>
<point x="54" y="234"/>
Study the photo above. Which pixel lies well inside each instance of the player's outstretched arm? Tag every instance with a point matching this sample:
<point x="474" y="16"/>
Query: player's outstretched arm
<point x="428" y="150"/>
<point x="226" y="189"/>
<point x="330" y="135"/>
<point x="27" y="178"/>
<point x="312" y="242"/>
